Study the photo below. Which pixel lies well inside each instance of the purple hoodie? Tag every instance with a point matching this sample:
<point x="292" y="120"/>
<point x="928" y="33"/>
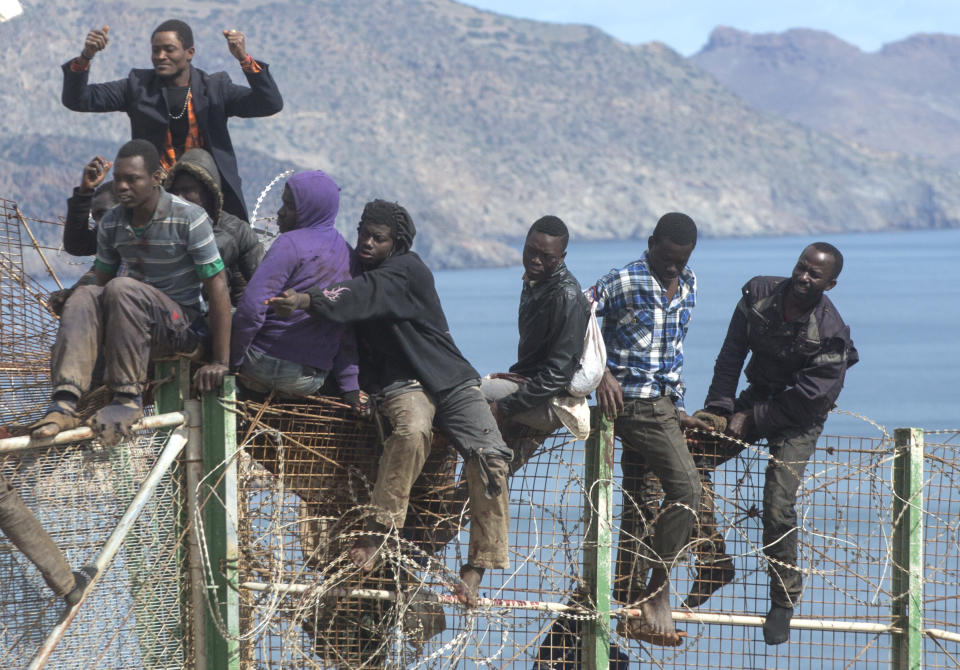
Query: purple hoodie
<point x="314" y="254"/>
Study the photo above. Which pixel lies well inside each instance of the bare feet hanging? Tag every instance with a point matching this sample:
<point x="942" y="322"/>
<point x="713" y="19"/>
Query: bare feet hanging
<point x="365" y="552"/>
<point x="655" y="626"/>
<point x="468" y="590"/>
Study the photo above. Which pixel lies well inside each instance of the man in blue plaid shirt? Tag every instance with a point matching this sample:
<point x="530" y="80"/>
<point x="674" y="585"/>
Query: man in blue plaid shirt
<point x="646" y="309"/>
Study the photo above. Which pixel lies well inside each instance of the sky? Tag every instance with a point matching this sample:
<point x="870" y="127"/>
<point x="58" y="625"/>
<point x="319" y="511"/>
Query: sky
<point x="685" y="25"/>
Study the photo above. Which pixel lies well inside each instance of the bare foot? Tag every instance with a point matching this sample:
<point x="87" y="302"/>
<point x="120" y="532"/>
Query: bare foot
<point x="364" y="554"/>
<point x="655" y="626"/>
<point x="468" y="590"/>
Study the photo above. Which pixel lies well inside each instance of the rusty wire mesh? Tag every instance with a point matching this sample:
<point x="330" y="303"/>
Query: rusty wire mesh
<point x="27" y="329"/>
<point x="304" y="489"/>
<point x="941" y="535"/>
<point x="133" y="618"/>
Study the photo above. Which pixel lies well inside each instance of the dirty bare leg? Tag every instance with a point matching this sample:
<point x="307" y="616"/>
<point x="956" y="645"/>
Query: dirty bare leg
<point x="655" y="626"/>
<point x="468" y="590"/>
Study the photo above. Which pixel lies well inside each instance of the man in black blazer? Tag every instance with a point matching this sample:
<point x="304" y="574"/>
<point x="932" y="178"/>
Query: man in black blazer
<point x="176" y="106"/>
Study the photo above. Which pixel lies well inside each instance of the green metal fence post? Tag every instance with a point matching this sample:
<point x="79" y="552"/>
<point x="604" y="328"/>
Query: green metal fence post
<point x="598" y="513"/>
<point x="175" y="386"/>
<point x="220" y="525"/>
<point x="907" y="577"/>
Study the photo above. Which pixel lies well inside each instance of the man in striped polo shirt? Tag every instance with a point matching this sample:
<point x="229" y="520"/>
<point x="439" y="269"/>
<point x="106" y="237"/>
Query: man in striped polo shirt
<point x="169" y="252"/>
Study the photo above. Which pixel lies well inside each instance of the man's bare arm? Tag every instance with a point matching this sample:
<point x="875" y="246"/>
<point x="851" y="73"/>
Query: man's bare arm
<point x="210" y="376"/>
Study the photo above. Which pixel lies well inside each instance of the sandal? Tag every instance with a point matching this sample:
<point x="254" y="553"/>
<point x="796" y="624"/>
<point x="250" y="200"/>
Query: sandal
<point x="637" y="631"/>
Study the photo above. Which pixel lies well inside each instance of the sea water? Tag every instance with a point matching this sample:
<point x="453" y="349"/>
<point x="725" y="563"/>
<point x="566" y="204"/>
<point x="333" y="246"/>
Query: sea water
<point x="898" y="292"/>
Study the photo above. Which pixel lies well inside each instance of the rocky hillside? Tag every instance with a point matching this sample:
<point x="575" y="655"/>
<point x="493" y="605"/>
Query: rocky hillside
<point x="477" y="122"/>
<point x="903" y="98"/>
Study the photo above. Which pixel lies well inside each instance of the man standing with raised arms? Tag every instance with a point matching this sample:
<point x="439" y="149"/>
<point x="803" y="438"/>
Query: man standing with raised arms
<point x="800" y="351"/>
<point x="646" y="309"/>
<point x="176" y="106"/>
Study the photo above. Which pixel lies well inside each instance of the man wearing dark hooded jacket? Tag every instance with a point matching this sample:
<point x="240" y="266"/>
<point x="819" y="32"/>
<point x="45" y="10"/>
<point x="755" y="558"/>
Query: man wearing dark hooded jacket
<point x="412" y="363"/>
<point x="195" y="179"/>
<point x="800" y="350"/>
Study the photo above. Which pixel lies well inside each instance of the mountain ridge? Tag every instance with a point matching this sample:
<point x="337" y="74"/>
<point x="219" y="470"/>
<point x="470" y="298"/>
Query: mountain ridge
<point x="476" y="122"/>
<point x="902" y="98"/>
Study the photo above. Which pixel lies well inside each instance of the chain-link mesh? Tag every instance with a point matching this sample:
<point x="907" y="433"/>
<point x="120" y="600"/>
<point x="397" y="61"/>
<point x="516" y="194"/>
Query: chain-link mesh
<point x="133" y="617"/>
<point x="305" y="484"/>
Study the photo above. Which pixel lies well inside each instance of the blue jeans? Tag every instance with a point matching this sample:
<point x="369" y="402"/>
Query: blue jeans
<point x="264" y="374"/>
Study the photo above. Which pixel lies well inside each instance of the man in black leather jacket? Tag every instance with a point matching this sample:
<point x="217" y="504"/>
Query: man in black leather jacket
<point x="552" y="322"/>
<point x="800" y="352"/>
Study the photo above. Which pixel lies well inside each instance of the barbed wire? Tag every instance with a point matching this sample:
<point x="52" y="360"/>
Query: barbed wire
<point x="847" y="565"/>
<point x="265" y="232"/>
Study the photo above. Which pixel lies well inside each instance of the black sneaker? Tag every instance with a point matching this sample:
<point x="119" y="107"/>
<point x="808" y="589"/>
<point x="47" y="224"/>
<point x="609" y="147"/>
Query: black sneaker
<point x="82" y="579"/>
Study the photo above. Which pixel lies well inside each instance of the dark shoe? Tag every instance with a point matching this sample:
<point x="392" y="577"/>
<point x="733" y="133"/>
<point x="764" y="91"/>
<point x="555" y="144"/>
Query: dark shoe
<point x="82" y="579"/>
<point x="710" y="578"/>
<point x="424" y="619"/>
<point x="776" y="627"/>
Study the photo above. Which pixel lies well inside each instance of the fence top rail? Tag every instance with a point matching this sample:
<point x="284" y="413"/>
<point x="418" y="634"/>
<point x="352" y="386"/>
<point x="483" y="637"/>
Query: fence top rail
<point x="25" y="443"/>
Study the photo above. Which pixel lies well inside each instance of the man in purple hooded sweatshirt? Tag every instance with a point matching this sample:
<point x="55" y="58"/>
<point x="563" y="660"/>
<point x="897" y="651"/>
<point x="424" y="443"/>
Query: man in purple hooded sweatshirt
<point x="293" y="356"/>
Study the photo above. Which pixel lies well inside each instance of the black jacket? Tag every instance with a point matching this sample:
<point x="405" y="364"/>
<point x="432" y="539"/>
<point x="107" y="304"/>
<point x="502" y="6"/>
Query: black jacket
<point x="552" y="322"/>
<point x="796" y="368"/>
<point x="215" y="98"/>
<point x="79" y="239"/>
<point x="401" y="328"/>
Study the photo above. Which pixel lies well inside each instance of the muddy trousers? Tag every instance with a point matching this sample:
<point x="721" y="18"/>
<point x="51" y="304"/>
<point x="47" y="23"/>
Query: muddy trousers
<point x="653" y="444"/>
<point x="22" y="529"/>
<point x="128" y="321"/>
<point x="789" y="454"/>
<point x="465" y="418"/>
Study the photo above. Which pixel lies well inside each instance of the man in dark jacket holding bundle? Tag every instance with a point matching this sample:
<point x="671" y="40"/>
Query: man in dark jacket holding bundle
<point x="801" y="350"/>
<point x="410" y="361"/>
<point x="552" y="322"/>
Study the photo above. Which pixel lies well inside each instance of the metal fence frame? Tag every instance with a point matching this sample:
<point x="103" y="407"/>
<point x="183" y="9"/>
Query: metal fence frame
<point x="215" y="634"/>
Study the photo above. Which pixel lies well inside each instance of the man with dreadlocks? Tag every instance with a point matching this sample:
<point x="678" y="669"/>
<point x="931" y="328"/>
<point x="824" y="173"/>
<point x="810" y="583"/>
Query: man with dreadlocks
<point x="410" y="361"/>
<point x="176" y="106"/>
